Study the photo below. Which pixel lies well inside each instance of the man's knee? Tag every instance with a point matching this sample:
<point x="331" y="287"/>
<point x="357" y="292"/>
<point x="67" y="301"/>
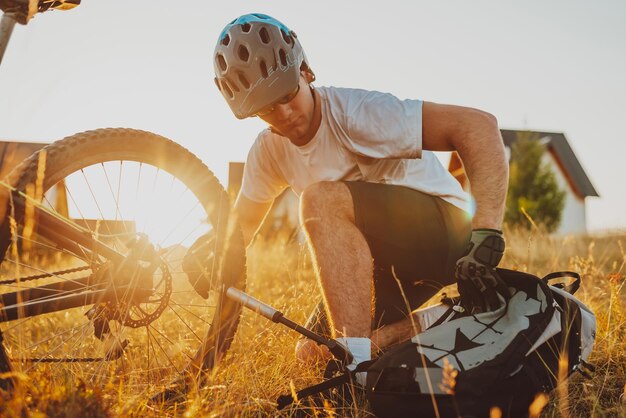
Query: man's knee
<point x="326" y="198"/>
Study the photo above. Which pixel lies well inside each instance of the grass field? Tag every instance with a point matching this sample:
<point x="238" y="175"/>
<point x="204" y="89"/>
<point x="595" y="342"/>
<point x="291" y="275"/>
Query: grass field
<point x="261" y="365"/>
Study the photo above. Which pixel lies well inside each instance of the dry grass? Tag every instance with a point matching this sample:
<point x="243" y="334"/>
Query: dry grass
<point x="261" y="366"/>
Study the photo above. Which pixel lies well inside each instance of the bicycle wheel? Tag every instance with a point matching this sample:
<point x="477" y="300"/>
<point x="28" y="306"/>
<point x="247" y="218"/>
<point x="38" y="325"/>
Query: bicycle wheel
<point x="123" y="186"/>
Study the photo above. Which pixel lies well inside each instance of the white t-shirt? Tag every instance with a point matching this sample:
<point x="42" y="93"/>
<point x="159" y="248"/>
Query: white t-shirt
<point x="364" y="135"/>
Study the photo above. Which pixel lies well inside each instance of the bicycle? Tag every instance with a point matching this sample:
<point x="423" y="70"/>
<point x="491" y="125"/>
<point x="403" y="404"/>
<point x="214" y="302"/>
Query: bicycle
<point x="116" y="250"/>
<point x="117" y="277"/>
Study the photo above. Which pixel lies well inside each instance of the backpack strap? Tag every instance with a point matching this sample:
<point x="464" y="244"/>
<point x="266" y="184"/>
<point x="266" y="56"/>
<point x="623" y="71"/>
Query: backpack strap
<point x="455" y="310"/>
<point x="345" y="377"/>
<point x="569" y="288"/>
<point x="586" y="369"/>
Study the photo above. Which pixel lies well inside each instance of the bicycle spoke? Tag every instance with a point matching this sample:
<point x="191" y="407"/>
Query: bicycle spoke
<point x="47" y="246"/>
<point x="182" y="220"/>
<point x="49" y="338"/>
<point x="95" y="200"/>
<point x="69" y="192"/>
<point x="184" y="322"/>
<point x="161" y="348"/>
<point x="192" y="305"/>
<point x="191" y="313"/>
<point x="56" y="348"/>
<point x="118" y="212"/>
<point x="153" y="193"/>
<point x="154" y="356"/>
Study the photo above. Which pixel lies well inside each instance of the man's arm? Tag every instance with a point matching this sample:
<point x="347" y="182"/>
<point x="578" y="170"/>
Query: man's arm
<point x="250" y="215"/>
<point x="474" y="134"/>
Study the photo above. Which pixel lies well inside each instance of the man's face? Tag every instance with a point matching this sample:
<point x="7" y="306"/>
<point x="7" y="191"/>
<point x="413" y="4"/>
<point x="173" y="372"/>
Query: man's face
<point x="294" y="118"/>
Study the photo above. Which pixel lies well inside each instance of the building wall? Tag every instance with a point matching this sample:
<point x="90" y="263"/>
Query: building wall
<point x="573" y="218"/>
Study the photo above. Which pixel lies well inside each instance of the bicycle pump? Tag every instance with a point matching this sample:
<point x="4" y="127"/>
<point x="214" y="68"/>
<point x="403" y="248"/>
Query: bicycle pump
<point x="337" y="350"/>
<point x="336" y="374"/>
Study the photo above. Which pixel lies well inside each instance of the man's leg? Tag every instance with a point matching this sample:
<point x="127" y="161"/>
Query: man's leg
<point x="341" y="256"/>
<point x="415" y="238"/>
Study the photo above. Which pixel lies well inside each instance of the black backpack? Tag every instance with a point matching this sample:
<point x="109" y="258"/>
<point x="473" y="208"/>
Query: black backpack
<point x="463" y="365"/>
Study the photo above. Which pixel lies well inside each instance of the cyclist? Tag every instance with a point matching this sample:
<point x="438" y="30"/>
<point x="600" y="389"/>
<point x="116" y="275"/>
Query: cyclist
<point x="386" y="224"/>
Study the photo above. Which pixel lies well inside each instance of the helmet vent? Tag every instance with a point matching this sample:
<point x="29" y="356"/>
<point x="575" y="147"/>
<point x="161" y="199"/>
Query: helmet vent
<point x="232" y="85"/>
<point x="263" y="69"/>
<point x="245" y="27"/>
<point x="283" y="57"/>
<point x="227" y="89"/>
<point x="244" y="81"/>
<point x="243" y="53"/>
<point x="287" y="38"/>
<point x="226" y="40"/>
<point x="264" y="35"/>
<point x="222" y="62"/>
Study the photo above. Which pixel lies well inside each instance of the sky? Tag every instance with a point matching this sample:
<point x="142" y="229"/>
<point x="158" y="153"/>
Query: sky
<point x="557" y="66"/>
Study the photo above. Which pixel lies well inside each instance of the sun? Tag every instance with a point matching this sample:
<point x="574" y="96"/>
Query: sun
<point x="120" y="199"/>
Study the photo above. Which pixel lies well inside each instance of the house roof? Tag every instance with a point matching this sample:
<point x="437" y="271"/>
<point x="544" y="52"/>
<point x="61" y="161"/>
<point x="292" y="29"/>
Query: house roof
<point x="559" y="147"/>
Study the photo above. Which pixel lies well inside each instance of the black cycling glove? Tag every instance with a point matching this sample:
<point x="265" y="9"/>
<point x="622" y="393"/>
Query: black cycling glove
<point x="200" y="264"/>
<point x="476" y="276"/>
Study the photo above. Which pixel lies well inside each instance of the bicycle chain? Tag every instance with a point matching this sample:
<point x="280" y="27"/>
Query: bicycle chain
<point x="133" y="323"/>
<point x="112" y="356"/>
<point x="63" y="360"/>
<point x="43" y="276"/>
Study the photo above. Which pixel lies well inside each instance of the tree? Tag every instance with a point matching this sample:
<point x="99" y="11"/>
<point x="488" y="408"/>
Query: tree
<point x="533" y="188"/>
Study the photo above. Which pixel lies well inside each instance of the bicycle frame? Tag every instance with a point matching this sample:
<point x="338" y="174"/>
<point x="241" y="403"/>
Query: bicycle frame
<point x="21" y="11"/>
<point x="6" y="28"/>
<point x="66" y="294"/>
<point x="118" y="283"/>
<point x="72" y="238"/>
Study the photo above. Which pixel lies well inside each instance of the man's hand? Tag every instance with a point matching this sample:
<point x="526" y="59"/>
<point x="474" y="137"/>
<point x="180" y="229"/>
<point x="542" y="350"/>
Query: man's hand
<point x="476" y="276"/>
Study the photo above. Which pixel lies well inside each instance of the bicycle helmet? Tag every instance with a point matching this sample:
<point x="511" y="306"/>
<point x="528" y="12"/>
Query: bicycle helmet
<point x="257" y="62"/>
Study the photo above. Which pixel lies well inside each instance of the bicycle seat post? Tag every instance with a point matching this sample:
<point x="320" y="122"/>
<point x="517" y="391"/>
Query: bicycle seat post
<point x="6" y="28"/>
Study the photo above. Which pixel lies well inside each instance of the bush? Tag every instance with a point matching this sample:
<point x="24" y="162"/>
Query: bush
<point x="534" y="195"/>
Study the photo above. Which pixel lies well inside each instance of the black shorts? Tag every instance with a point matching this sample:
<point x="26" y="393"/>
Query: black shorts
<point x="413" y="236"/>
